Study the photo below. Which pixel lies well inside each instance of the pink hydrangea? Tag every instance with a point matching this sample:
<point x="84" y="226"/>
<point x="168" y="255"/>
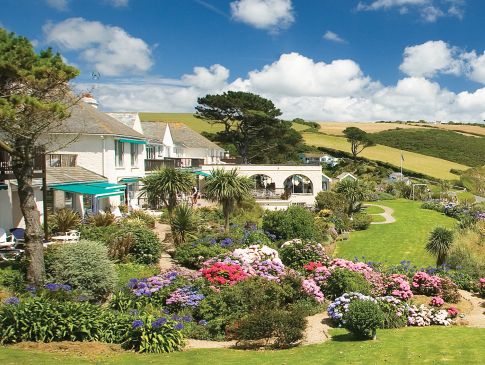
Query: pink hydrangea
<point x="426" y="284"/>
<point x="312" y="289"/>
<point x="398" y="286"/>
<point x="453" y="312"/>
<point x="436" y="302"/>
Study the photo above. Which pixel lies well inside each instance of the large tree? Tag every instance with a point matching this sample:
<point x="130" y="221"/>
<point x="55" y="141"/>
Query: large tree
<point x="252" y="125"/>
<point x="34" y="100"/>
<point x="358" y="139"/>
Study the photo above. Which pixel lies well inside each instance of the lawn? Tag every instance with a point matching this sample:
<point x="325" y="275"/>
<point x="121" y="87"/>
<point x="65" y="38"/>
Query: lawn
<point x="372" y="209"/>
<point x="402" y="240"/>
<point x="428" y="165"/>
<point x="456" y="345"/>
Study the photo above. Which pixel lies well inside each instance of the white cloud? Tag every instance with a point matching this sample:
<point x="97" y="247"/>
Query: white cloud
<point x="476" y="66"/>
<point x="305" y="88"/>
<point x="61" y="5"/>
<point x="108" y="49"/>
<point x="429" y="58"/>
<point x="264" y="14"/>
<point x="333" y="37"/>
<point x="211" y="78"/>
<point x="429" y="10"/>
<point x="118" y="3"/>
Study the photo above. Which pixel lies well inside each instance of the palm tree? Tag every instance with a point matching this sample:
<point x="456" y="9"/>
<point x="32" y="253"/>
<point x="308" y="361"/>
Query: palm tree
<point x="439" y="244"/>
<point x="165" y="184"/>
<point x="353" y="192"/>
<point x="183" y="223"/>
<point x="227" y="188"/>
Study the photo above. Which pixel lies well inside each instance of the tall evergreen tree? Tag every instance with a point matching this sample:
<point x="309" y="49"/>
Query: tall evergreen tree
<point x="34" y="100"/>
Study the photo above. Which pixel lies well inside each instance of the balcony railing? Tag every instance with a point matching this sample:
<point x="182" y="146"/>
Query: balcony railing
<point x="270" y="194"/>
<point x="153" y="165"/>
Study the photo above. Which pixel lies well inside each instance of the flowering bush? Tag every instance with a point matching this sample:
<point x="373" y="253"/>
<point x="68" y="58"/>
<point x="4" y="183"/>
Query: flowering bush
<point x="426" y="284"/>
<point x="481" y="287"/>
<point x="255" y="253"/>
<point x="187" y="296"/>
<point x="340" y="306"/>
<point x="398" y="286"/>
<point x="436" y="302"/>
<point x="296" y="253"/>
<point x="453" y="312"/>
<point x="372" y="276"/>
<point x="424" y="316"/>
<point x="310" y="287"/>
<point x="149" y="286"/>
<point x="222" y="273"/>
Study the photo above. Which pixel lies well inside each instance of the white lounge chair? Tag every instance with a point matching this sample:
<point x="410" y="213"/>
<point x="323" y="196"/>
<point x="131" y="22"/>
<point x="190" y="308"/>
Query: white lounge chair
<point x="6" y="242"/>
<point x="117" y="213"/>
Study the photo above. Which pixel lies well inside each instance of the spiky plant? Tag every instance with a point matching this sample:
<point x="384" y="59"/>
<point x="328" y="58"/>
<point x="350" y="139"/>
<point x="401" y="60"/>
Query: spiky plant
<point x="227" y="188"/>
<point x="64" y="220"/>
<point x="183" y="223"/>
<point x="439" y="244"/>
<point x="165" y="184"/>
<point x="353" y="192"/>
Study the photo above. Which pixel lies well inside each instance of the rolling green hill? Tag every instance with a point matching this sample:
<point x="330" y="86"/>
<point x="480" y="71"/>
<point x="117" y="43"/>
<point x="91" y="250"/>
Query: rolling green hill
<point x="447" y="145"/>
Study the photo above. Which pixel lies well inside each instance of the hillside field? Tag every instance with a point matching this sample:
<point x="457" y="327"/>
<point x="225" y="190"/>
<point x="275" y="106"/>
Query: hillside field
<point x="448" y="145"/>
<point x="428" y="165"/>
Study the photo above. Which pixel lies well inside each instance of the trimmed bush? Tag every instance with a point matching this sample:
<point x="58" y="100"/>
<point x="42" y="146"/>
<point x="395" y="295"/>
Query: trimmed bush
<point x="363" y="318"/>
<point x="331" y="200"/>
<point x="295" y="222"/>
<point x="296" y="253"/>
<point x="361" y="221"/>
<point x="345" y="281"/>
<point x="84" y="266"/>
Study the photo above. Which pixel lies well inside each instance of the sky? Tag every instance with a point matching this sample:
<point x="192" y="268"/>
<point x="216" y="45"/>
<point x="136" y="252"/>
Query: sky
<point x="329" y="60"/>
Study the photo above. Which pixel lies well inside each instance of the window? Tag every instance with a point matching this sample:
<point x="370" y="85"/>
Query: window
<point x="119" y="152"/>
<point x="68" y="200"/>
<point x="150" y="152"/>
<point x="134" y="154"/>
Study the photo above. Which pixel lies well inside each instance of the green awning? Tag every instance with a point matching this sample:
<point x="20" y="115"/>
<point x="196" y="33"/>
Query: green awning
<point x="202" y="173"/>
<point x="133" y="141"/>
<point x="128" y="180"/>
<point x="99" y="190"/>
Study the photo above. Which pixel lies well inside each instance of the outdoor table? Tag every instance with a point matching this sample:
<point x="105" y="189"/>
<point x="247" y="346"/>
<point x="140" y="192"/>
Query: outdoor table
<point x="65" y="238"/>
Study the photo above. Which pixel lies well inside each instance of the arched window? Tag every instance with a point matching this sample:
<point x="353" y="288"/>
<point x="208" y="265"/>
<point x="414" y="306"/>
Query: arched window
<point x="298" y="184"/>
<point x="263" y="182"/>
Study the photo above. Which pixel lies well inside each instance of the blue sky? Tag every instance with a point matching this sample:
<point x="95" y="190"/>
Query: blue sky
<point x="318" y="59"/>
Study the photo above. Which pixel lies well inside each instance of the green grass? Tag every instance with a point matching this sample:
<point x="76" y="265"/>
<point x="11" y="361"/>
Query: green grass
<point x="438" y="143"/>
<point x="431" y="345"/>
<point x="378" y="218"/>
<point x="372" y="209"/>
<point x="404" y="239"/>
<point x="423" y="164"/>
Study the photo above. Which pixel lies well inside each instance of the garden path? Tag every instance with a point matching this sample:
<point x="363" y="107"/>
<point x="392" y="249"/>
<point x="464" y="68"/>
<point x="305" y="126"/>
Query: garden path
<point x="476" y="318"/>
<point x="387" y="214"/>
<point x="317" y="330"/>
<point x="163" y="230"/>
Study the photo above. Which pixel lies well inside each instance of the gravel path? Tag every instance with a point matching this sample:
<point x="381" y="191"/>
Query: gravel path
<point x="163" y="230"/>
<point x="387" y="214"/>
<point x="476" y="318"/>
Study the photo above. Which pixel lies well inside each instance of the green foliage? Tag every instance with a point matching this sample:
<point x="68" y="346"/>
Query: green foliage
<point x="192" y="255"/>
<point x="294" y="222"/>
<point x="331" y="200"/>
<point x="42" y="320"/>
<point x="102" y="219"/>
<point x="164" y="185"/>
<point x="358" y="139"/>
<point x="354" y="191"/>
<point x="439" y="244"/>
<point x="438" y="143"/>
<point x="148" y="219"/>
<point x="297" y="253"/>
<point x="285" y="328"/>
<point x="474" y="180"/>
<point x="85" y="266"/>
<point x="345" y="281"/>
<point x="433" y="206"/>
<point x="133" y="271"/>
<point x="449" y="291"/>
<point x="391" y="319"/>
<point x="363" y="318"/>
<point x="63" y="220"/>
<point x="361" y="221"/>
<point x="184" y="223"/>
<point x="12" y="278"/>
<point x="249" y="122"/>
<point x="228" y="189"/>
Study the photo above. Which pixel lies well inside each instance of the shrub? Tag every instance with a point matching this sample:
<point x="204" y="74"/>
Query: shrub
<point x="385" y="196"/>
<point x="363" y="318"/>
<point x="481" y="287"/>
<point x="361" y="221"/>
<point x="394" y="312"/>
<point x="296" y="253"/>
<point x="12" y="279"/>
<point x="331" y="200"/>
<point x="449" y="291"/>
<point x="295" y="222"/>
<point x="345" y="281"/>
<point x="102" y="219"/>
<point x="183" y="222"/>
<point x="120" y="247"/>
<point x="41" y="320"/>
<point x="221" y="273"/>
<point x="133" y="271"/>
<point x="148" y="219"/>
<point x="85" y="266"/>
<point x="64" y="220"/>
<point x="341" y="222"/>
<point x="147" y="247"/>
<point x="192" y="255"/>
<point x="284" y="327"/>
<point x="433" y="206"/>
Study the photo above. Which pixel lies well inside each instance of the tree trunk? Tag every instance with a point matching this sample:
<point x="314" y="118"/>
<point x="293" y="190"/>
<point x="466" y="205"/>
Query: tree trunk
<point x="226" y="210"/>
<point x="33" y="232"/>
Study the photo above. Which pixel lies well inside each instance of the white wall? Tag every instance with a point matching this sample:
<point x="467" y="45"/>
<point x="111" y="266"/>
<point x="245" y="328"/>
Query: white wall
<point x="6" y="209"/>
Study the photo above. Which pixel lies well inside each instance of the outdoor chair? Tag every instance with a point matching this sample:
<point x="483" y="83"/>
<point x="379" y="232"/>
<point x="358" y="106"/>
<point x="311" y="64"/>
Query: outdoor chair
<point x="76" y="235"/>
<point x="117" y="213"/>
<point x="18" y="234"/>
<point x="6" y="242"/>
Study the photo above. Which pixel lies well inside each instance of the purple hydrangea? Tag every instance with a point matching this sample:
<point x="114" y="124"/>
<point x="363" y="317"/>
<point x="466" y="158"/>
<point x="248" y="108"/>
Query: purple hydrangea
<point x="186" y="296"/>
<point x="187" y="318"/>
<point x="137" y="323"/>
<point x="146" y="287"/>
<point x="159" y="322"/>
<point x="179" y="326"/>
<point x="12" y="301"/>
<point x="56" y="287"/>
